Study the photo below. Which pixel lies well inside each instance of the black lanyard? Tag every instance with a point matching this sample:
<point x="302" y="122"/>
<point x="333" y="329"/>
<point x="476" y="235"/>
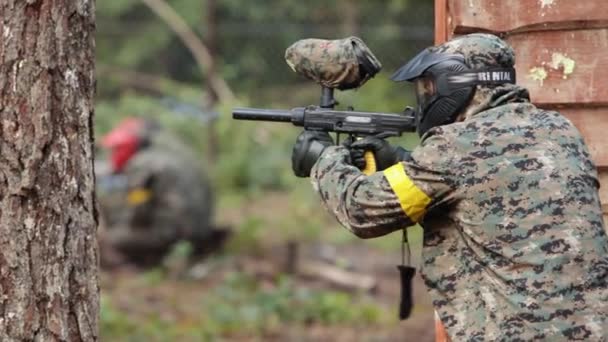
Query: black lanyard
<point x="407" y="273"/>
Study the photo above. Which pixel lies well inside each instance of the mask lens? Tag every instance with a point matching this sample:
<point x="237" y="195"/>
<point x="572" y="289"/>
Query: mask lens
<point x="425" y="91"/>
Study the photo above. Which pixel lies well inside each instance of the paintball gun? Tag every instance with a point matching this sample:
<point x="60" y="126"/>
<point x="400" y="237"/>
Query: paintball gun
<point x="335" y="64"/>
<point x="341" y="64"/>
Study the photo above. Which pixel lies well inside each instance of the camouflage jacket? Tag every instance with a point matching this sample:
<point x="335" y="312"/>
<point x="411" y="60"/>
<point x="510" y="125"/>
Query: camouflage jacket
<point x="514" y="243"/>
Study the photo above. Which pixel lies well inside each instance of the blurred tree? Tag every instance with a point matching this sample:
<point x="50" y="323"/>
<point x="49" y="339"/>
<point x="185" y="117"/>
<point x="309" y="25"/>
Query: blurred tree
<point x="141" y="63"/>
<point x="254" y="35"/>
<point x="48" y="247"/>
<point x="199" y="51"/>
<point x="251" y="37"/>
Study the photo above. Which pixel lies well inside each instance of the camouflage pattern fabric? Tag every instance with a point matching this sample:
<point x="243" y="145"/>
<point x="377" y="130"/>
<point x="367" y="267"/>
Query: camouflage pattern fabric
<point x="514" y="243"/>
<point x="480" y="50"/>
<point x="174" y="202"/>
<point x="332" y="63"/>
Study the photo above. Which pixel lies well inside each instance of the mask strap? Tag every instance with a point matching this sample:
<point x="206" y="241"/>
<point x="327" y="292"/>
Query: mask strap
<point x="449" y="82"/>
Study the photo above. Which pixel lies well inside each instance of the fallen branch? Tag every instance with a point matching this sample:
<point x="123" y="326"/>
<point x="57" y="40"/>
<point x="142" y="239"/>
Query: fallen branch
<point x="137" y="80"/>
<point x="339" y="277"/>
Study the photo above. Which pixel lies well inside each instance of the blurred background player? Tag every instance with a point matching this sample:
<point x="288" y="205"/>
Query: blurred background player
<point x="153" y="193"/>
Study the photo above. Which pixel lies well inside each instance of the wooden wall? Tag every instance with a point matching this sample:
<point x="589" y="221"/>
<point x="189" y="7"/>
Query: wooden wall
<point x="562" y="57"/>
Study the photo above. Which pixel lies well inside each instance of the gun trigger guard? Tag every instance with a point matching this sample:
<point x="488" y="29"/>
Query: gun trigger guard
<point x="384" y="135"/>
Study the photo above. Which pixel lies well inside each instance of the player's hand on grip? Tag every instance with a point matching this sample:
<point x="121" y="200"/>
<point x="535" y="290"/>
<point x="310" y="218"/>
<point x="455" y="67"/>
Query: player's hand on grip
<point x="384" y="153"/>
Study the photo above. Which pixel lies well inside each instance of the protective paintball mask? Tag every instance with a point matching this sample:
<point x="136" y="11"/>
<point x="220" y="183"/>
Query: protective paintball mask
<point x="444" y="85"/>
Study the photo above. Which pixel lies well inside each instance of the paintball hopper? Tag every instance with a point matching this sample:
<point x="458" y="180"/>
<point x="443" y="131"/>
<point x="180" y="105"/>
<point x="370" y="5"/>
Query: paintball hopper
<point x="341" y="64"/>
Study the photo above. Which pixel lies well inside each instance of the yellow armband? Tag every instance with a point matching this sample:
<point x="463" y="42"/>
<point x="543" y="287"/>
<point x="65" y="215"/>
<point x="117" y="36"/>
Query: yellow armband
<point x="413" y="201"/>
<point x="138" y="196"/>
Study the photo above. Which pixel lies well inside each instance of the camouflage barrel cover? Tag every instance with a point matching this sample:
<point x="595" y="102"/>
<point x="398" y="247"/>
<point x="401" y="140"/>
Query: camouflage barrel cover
<point x="342" y="63"/>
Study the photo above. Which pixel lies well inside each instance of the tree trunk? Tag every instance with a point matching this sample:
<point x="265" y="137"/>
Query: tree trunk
<point x="210" y="37"/>
<point x="48" y="246"/>
<point x="350" y="18"/>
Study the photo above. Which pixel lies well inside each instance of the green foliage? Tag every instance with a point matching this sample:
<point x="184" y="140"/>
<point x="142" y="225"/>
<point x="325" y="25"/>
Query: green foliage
<point x="190" y="129"/>
<point x="239" y="306"/>
<point x="113" y="322"/>
<point x="131" y="35"/>
<point x="250" y="234"/>
<point x="390" y="243"/>
<point x="118" y="326"/>
<point x="306" y="219"/>
<point x="181" y="250"/>
<point x="114" y="9"/>
<point x="152" y="276"/>
<point x="176" y="262"/>
<point x="379" y="94"/>
<point x="255" y="155"/>
<point x="253" y="35"/>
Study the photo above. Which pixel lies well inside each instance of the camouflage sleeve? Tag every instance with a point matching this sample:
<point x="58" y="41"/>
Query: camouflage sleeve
<point x="433" y="169"/>
<point x="365" y="205"/>
<point x="375" y="205"/>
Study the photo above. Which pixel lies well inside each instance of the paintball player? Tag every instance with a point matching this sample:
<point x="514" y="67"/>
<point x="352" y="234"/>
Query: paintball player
<point x="166" y="197"/>
<point x="507" y="195"/>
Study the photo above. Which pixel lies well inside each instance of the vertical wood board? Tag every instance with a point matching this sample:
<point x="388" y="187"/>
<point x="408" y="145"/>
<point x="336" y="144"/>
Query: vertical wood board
<point x="522" y="15"/>
<point x="563" y="67"/>
<point x="593" y="125"/>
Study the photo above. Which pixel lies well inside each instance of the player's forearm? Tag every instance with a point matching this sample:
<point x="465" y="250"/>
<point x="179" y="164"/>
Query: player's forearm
<point x="365" y="205"/>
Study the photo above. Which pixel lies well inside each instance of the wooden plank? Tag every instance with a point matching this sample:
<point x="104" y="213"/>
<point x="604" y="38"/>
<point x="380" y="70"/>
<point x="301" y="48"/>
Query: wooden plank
<point x="441" y="15"/>
<point x="603" y="175"/>
<point x="524" y="15"/>
<point x="563" y="67"/>
<point x="593" y="125"/>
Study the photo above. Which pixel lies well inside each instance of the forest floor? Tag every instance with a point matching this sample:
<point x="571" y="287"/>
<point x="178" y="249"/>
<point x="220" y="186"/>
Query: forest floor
<point x="261" y="294"/>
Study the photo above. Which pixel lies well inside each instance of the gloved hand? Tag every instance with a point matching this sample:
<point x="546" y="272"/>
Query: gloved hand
<point x="385" y="154"/>
<point x="307" y="149"/>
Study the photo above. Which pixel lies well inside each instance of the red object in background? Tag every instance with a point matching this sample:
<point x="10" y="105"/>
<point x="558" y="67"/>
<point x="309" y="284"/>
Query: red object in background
<point x="123" y="142"/>
<point x="441" y="334"/>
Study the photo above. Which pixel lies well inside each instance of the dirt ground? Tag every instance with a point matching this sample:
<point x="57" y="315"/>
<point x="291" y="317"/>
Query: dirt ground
<point x="178" y="300"/>
<point x="174" y="298"/>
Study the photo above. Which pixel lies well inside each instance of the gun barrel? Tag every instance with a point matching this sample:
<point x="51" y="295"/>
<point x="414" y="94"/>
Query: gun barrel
<point x="329" y="120"/>
<point x="262" y="114"/>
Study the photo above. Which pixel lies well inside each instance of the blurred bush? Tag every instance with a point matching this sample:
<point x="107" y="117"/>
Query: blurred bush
<point x="240" y="306"/>
<point x="253" y="156"/>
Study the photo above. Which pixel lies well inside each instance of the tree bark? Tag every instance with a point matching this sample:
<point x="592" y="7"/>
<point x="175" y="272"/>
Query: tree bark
<point x="48" y="247"/>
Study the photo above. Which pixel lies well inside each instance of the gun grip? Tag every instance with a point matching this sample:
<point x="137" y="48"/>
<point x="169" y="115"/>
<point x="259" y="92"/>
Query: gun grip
<point x="370" y="163"/>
